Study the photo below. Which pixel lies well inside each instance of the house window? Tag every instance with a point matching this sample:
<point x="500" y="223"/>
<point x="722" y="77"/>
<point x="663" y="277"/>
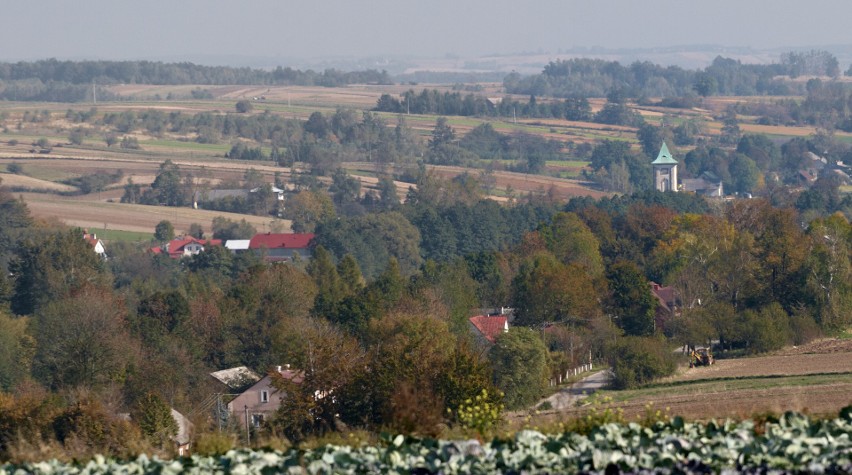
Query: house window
<point x="264" y="396"/>
<point x="256" y="420"/>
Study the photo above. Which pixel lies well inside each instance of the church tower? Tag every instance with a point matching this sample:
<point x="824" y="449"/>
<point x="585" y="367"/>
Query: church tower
<point x="665" y="170"/>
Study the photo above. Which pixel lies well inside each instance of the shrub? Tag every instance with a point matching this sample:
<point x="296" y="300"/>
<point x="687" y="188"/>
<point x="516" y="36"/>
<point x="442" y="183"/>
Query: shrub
<point x="479" y="414"/>
<point x="214" y="443"/>
<point x="639" y="360"/>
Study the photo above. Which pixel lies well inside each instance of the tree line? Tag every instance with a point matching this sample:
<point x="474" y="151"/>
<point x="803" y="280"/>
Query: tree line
<point x="72" y="81"/>
<point x="585" y="77"/>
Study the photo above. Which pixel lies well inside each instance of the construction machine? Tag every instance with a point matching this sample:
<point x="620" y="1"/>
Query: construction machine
<point x="701" y="357"/>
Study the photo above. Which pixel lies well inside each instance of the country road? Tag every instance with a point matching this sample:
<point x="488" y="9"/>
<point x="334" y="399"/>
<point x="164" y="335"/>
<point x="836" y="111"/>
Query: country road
<point x="568" y="397"/>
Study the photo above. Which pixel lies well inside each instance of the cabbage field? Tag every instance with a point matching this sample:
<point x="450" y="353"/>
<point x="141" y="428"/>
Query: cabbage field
<point x="793" y="443"/>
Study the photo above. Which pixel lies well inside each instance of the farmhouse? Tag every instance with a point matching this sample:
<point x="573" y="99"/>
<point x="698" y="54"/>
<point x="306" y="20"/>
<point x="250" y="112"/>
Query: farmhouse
<point x="97" y="244"/>
<point x="486" y="328"/>
<point x="260" y="400"/>
<point x="707" y="184"/>
<point x="282" y="247"/>
<point x="185" y="246"/>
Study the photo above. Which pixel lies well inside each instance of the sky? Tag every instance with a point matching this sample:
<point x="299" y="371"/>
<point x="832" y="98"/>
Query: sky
<point x="187" y="29"/>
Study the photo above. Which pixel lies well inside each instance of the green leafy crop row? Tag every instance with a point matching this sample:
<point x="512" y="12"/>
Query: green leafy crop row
<point x="793" y="443"/>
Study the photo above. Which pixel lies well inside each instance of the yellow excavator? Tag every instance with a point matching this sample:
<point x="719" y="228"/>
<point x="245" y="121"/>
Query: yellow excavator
<point x="701" y="357"/>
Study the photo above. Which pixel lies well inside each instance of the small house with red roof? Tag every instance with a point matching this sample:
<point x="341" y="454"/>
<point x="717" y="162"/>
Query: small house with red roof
<point x="97" y="244"/>
<point x="488" y="327"/>
<point x="185" y="246"/>
<point x="282" y="247"/>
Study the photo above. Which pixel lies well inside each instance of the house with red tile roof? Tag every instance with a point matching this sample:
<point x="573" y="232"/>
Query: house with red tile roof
<point x="282" y="247"/>
<point x="185" y="246"/>
<point x="488" y="327"/>
<point x="97" y="244"/>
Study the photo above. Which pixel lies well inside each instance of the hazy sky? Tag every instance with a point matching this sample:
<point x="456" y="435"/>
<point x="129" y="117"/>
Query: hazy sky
<point x="174" y="29"/>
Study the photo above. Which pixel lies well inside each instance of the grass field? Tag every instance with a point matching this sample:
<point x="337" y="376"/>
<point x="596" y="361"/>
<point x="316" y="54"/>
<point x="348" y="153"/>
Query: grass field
<point x="110" y="235"/>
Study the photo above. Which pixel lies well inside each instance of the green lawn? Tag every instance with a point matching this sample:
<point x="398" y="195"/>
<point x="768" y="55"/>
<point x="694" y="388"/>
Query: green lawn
<point x="117" y="235"/>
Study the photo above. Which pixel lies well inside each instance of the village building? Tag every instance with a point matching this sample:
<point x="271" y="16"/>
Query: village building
<point x="97" y="244"/>
<point x="665" y="171"/>
<point x="258" y="402"/>
<point x="282" y="247"/>
<point x="185" y="246"/>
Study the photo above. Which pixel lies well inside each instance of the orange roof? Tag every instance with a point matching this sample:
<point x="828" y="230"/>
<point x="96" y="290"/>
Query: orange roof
<point x="490" y="326"/>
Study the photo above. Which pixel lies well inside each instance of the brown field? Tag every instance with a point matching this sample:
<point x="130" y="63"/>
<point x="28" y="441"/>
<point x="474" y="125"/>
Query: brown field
<point x="815" y="378"/>
<point x="23" y="181"/>
<point x="823" y="356"/>
<point x="130" y="217"/>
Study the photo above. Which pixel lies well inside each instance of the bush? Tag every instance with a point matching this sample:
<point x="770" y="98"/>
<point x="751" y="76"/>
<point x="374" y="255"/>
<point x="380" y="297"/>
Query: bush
<point x="639" y="360"/>
<point x="214" y="443"/>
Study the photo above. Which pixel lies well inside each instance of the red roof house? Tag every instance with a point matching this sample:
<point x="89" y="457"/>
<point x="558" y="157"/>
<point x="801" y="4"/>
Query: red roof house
<point x="96" y="243"/>
<point x="490" y="327"/>
<point x="186" y="246"/>
<point x="279" y="247"/>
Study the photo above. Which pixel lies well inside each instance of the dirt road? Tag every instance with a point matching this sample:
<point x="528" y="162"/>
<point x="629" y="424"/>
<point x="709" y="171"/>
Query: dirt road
<point x="567" y="397"/>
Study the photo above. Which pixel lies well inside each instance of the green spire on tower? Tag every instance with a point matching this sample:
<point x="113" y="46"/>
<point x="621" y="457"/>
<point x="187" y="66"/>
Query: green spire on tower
<point x="664" y="157"/>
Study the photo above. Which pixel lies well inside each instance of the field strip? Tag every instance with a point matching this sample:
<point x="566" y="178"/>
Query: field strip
<point x="132" y="217"/>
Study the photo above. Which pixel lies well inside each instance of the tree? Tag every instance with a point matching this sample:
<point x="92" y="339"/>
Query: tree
<point x="306" y="209"/>
<point x="82" y="340"/>
<point x="154" y="418"/>
<point x="545" y="290"/>
<point x="632" y="302"/>
<point x="196" y="231"/>
<point x="169" y="188"/>
<point x="76" y="136"/>
<point x="519" y="359"/>
<point x="244" y="106"/>
<point x="50" y="267"/>
<point x="571" y="241"/>
<point x="442" y="134"/>
<point x="330" y="288"/>
<point x="636" y="361"/>
<point x="17" y="348"/>
<point x="226" y="229"/>
<point x="164" y="231"/>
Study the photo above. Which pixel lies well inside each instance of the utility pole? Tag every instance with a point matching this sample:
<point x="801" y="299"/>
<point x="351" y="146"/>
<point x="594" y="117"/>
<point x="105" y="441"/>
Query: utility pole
<point x="248" y="434"/>
<point x="94" y="93"/>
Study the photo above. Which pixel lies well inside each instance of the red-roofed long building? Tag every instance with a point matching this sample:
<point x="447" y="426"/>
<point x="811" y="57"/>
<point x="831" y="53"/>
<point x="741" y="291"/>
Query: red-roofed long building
<point x="280" y="247"/>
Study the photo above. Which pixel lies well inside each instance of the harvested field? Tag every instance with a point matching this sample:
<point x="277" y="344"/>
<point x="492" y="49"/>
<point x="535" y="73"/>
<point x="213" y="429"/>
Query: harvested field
<point x="822" y="356"/>
<point x="129" y="217"/>
<point x="22" y="181"/>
